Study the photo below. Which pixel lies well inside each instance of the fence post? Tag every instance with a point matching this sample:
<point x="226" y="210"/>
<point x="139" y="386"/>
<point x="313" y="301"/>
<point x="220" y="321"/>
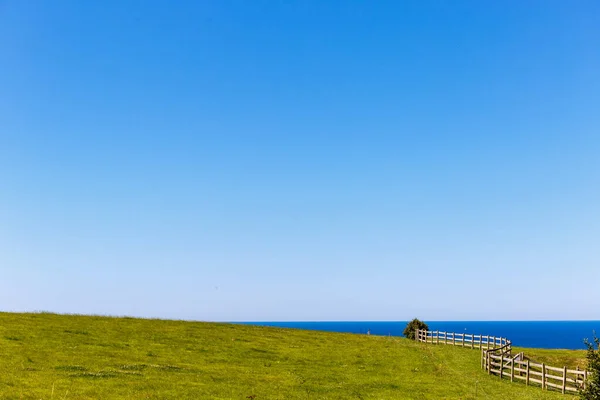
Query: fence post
<point x="521" y="358"/>
<point x="437" y="337"/>
<point x="512" y="369"/>
<point x="494" y="341"/>
<point x="527" y="374"/>
<point x="454" y="338"/>
<point x="480" y="340"/>
<point x="584" y="379"/>
<point x="501" y="363"/>
<point x="472" y="340"/>
<point x="543" y="376"/>
<point x="564" y="382"/>
<point x="488" y="362"/>
<point x="481" y="361"/>
<point x="445" y="337"/>
<point x="463" y="340"/>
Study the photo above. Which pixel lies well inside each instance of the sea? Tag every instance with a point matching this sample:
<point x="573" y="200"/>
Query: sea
<point x="540" y="334"/>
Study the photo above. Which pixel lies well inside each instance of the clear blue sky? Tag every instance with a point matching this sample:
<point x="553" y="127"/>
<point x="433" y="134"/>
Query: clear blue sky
<point x="309" y="160"/>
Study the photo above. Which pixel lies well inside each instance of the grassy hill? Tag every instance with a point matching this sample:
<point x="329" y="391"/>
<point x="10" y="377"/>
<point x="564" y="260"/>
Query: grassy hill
<point x="49" y="356"/>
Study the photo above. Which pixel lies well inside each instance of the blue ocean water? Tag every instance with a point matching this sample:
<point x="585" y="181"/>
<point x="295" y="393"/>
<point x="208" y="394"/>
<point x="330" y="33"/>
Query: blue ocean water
<point x="541" y="334"/>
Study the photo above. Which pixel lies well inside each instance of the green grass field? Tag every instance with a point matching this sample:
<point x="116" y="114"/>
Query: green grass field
<point x="49" y="356"/>
<point x="557" y="358"/>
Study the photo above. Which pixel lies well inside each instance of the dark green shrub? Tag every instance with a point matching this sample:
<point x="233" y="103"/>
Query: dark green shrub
<point x="592" y="389"/>
<point x="412" y="326"/>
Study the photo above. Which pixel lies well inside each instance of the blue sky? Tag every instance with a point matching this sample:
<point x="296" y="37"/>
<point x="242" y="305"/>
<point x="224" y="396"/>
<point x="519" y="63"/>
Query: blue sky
<point x="310" y="160"/>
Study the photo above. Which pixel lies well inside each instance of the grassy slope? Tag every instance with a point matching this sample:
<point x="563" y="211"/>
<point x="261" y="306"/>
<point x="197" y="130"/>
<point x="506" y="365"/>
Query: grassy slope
<point x="45" y="356"/>
<point x="556" y="358"/>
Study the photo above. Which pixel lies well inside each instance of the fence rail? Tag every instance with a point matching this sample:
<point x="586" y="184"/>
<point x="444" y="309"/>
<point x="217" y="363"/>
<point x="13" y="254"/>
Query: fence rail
<point x="497" y="359"/>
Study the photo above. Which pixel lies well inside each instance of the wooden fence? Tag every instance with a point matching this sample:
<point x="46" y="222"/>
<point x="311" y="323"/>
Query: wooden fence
<point x="461" y="339"/>
<point x="497" y="359"/>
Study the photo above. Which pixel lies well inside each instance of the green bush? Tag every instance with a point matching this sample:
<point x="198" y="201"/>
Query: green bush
<point x="412" y="327"/>
<point x="592" y="389"/>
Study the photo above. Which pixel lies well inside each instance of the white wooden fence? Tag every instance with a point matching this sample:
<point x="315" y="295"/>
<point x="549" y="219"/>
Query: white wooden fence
<point x="497" y="359"/>
<point x="461" y="339"/>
